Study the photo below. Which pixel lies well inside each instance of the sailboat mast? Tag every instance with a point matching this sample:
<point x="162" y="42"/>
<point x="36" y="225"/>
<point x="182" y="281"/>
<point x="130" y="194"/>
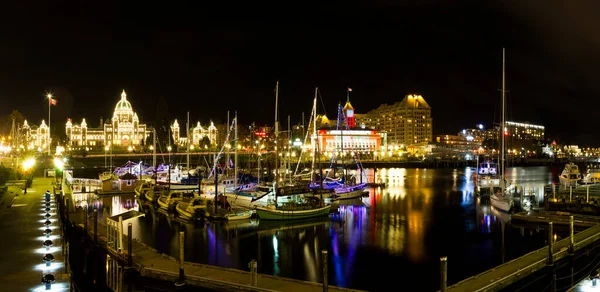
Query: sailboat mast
<point x="187" y="135"/>
<point x="314" y="135"/>
<point x="276" y="140"/>
<point x="289" y="152"/>
<point x="503" y="112"/>
<point x="153" y="148"/>
<point x="235" y="155"/>
<point x="227" y="156"/>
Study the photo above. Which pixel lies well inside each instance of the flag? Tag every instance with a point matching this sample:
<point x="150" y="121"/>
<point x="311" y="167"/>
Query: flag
<point x="230" y="163"/>
<point x="53" y="101"/>
<point x="349" y="89"/>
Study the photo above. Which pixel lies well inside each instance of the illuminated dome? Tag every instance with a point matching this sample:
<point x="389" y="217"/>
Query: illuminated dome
<point x="123" y="110"/>
<point x="123" y="104"/>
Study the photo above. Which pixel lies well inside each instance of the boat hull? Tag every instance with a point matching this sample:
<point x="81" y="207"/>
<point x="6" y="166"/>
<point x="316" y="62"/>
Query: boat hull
<point x="567" y="182"/>
<point x="273" y="214"/>
<point x="350" y="195"/>
<point x="239" y="216"/>
<point x="501" y="204"/>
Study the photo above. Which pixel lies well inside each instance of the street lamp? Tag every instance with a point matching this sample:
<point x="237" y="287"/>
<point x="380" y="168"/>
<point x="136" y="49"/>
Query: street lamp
<point x="105" y="149"/>
<point x="130" y="149"/>
<point x="27" y="165"/>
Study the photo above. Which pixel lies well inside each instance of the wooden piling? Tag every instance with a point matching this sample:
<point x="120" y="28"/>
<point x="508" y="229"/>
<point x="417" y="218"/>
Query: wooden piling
<point x="129" y="245"/>
<point x="95" y="226"/>
<point x="550" y="245"/>
<point x="571" y="235"/>
<point x="181" y="281"/>
<point x="325" y="266"/>
<point x="254" y="272"/>
<point x="443" y="273"/>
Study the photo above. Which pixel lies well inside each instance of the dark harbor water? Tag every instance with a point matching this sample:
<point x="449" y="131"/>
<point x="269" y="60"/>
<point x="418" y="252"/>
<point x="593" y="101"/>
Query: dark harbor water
<point x="394" y="238"/>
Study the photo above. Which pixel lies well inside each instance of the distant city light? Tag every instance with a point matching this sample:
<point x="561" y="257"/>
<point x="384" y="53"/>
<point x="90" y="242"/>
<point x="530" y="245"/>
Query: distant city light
<point x="480" y="126"/>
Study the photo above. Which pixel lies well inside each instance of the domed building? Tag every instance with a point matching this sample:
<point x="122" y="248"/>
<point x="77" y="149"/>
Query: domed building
<point x="124" y="129"/>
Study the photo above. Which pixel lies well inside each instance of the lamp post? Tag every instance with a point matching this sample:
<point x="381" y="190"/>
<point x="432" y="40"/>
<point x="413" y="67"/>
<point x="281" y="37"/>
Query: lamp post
<point x="130" y="149"/>
<point x="105" y="149"/>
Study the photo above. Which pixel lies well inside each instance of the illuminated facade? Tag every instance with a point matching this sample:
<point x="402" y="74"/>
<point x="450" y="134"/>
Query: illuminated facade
<point x="349" y="140"/>
<point x="407" y="122"/>
<point x="332" y="140"/>
<point x="198" y="134"/>
<point x="524" y="131"/>
<point x="124" y="129"/>
<point x="34" y="137"/>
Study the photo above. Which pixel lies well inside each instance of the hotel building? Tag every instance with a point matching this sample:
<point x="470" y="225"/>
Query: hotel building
<point x="407" y="122"/>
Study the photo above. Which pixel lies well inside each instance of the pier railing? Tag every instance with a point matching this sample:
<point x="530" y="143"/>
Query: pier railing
<point x="510" y="272"/>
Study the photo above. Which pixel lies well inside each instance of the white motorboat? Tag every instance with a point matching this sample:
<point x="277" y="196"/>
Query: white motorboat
<point x="238" y="215"/>
<point x="502" y="201"/>
<point x="570" y="176"/>
<point x="592" y="176"/>
<point x="189" y="210"/>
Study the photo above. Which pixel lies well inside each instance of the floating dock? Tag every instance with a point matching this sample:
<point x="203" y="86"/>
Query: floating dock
<point x="517" y="269"/>
<point x="542" y="217"/>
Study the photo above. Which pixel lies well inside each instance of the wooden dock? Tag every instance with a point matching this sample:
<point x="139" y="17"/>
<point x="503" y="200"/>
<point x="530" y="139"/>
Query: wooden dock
<point x="517" y="269"/>
<point x="150" y="263"/>
<point x="557" y="218"/>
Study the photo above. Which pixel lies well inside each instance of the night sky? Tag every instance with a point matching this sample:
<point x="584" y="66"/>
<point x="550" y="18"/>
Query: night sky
<point x="210" y="59"/>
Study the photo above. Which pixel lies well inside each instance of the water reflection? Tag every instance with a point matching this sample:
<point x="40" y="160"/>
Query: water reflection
<point x="420" y="215"/>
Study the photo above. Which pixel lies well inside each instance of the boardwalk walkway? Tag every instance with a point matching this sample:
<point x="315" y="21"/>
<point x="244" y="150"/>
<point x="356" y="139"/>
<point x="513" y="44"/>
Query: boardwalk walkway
<point x="22" y="225"/>
<point x="152" y="264"/>
<point x="510" y="272"/>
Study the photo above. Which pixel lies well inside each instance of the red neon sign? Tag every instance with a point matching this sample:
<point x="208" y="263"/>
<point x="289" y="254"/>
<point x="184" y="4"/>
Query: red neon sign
<point x="261" y="134"/>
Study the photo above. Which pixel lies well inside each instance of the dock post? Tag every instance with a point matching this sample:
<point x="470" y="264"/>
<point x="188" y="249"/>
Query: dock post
<point x="325" y="274"/>
<point x="67" y="208"/>
<point x="181" y="281"/>
<point x="443" y="273"/>
<point x="129" y="245"/>
<point x="587" y="194"/>
<point x="570" y="193"/>
<point x="120" y="227"/>
<point x="553" y="191"/>
<point x="85" y="220"/>
<point x="571" y="236"/>
<point x="95" y="225"/>
<point x="550" y="245"/>
<point x="254" y="272"/>
<point x="553" y="287"/>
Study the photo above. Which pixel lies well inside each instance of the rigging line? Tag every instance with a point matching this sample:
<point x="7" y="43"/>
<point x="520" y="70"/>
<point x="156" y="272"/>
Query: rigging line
<point x="580" y="270"/>
<point x="322" y="103"/>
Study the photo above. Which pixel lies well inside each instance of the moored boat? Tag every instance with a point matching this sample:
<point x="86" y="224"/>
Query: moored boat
<point x="238" y="215"/>
<point x="570" y="176"/>
<point x="192" y="209"/>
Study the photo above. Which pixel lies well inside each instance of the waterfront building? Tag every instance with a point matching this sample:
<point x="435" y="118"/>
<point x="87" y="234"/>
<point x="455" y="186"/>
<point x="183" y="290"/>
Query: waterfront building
<point x="524" y="131"/>
<point x="124" y="129"/>
<point x="33" y="137"/>
<point x="407" y="122"/>
<point x="199" y="133"/>
<point x="333" y="138"/>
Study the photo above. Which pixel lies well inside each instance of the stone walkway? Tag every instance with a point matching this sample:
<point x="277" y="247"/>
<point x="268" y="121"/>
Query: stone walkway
<point x="22" y="226"/>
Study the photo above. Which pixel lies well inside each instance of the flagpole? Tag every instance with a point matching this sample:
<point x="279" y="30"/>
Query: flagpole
<point x="49" y="107"/>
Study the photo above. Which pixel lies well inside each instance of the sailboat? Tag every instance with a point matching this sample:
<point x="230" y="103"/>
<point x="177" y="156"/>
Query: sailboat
<point x="299" y="207"/>
<point x="502" y="200"/>
<point x="344" y="188"/>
